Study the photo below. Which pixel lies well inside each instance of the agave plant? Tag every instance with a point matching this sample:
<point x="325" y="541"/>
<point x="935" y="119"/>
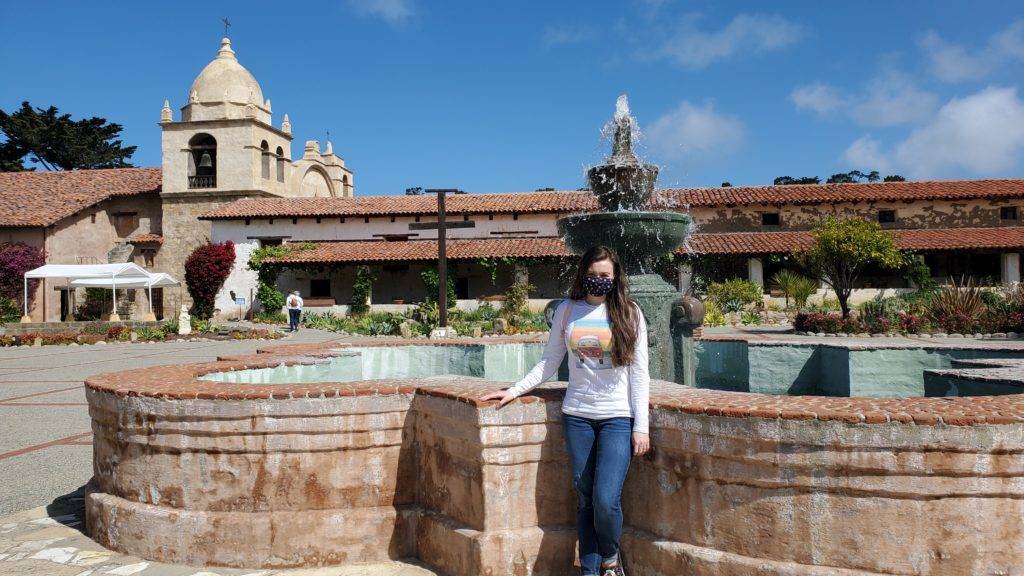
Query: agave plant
<point x="958" y="307"/>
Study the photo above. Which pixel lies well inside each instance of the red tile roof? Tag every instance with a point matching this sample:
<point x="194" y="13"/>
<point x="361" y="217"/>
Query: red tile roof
<point x="146" y="239"/>
<point x="726" y="243"/>
<point x="574" y="201"/>
<point x="923" y="240"/>
<point x="43" y="198"/>
<point x="412" y="250"/>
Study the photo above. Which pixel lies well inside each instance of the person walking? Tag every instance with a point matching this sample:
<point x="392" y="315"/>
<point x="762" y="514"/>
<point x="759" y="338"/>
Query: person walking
<point x="606" y="404"/>
<point x="294" y="311"/>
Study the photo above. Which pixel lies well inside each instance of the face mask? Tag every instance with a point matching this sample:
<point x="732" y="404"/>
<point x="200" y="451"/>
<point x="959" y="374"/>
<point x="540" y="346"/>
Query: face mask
<point x="597" y="285"/>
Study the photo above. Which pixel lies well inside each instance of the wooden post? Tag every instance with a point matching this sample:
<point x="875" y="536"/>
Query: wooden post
<point x="442" y="260"/>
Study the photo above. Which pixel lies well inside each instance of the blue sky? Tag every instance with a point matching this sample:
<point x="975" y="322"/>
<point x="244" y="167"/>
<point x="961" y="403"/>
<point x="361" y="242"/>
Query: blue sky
<point x="507" y="96"/>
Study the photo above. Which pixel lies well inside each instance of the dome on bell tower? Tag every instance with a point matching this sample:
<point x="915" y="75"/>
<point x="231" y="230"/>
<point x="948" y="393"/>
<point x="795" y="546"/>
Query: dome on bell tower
<point x="225" y="89"/>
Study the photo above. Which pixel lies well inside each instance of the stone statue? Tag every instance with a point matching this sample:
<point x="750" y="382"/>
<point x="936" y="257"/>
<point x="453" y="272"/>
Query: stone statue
<point x="184" y="321"/>
<point x="687" y="312"/>
<point x="193" y="97"/>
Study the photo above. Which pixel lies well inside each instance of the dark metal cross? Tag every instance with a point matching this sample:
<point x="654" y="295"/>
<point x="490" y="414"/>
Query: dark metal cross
<point x="227" y="24"/>
<point x="442" y="257"/>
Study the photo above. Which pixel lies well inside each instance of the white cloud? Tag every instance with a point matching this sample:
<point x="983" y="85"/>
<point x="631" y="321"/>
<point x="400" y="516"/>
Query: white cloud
<point x="746" y="33"/>
<point x="981" y="134"/>
<point x="892" y="98"/>
<point x="566" y="34"/>
<point x="888" y="99"/>
<point x="820" y="98"/>
<point x="392" y="11"/>
<point x="866" y="153"/>
<point x="691" y="130"/>
<point x="955" y="63"/>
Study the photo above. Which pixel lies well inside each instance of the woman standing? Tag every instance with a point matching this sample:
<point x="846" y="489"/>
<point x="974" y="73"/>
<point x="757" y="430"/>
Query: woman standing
<point x="604" y="413"/>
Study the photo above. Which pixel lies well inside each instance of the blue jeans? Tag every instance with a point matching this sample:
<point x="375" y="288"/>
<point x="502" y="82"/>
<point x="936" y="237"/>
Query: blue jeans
<point x="293" y="318"/>
<point x="600" y="452"/>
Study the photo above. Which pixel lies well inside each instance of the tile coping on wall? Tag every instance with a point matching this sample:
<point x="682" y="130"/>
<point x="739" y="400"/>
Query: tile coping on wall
<point x="883" y="344"/>
<point x="1007" y="371"/>
<point x="181" y="382"/>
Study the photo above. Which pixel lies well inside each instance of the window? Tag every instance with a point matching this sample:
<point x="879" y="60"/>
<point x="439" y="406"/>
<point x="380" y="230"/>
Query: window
<point x="886" y="216"/>
<point x="1008" y="213"/>
<point x="280" y="164"/>
<point x="148" y="256"/>
<point x="320" y="288"/>
<point x="270" y="241"/>
<point x="265" y="159"/>
<point x="769" y="219"/>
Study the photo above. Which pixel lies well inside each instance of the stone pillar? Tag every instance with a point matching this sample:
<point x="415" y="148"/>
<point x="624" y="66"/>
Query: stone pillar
<point x="685" y="277"/>
<point x="1009" y="266"/>
<point x="755" y="271"/>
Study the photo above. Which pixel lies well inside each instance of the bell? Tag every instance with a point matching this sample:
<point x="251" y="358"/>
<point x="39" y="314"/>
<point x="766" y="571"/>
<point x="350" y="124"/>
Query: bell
<point x="206" y="161"/>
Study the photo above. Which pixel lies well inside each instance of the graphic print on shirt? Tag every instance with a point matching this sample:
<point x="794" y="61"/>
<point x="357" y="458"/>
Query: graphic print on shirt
<point x="590" y="343"/>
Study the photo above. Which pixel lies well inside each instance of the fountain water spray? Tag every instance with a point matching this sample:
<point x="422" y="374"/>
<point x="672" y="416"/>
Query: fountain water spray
<point x="624" y="186"/>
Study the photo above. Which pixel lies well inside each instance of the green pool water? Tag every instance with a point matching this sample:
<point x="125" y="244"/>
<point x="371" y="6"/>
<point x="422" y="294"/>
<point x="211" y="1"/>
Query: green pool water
<point x="499" y="362"/>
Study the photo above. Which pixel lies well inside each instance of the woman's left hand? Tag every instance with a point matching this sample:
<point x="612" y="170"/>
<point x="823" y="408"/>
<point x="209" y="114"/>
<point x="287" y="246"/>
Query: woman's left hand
<point x="641" y="443"/>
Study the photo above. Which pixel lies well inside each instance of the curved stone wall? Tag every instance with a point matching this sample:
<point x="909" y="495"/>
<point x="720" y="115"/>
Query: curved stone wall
<point x="197" y="472"/>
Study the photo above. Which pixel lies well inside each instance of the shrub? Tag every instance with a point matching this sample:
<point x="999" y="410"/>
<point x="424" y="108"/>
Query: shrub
<point x="818" y="322"/>
<point x="516" y="300"/>
<point x="713" y="315"/>
<point x="431" y="283"/>
<point x="206" y="269"/>
<point x="733" y="295"/>
<point x="795" y="286"/>
<point x="91" y="338"/>
<point x="9" y="311"/>
<point x="270" y="317"/>
<point x="117" y="332"/>
<point x="146" y="333"/>
<point x="361" y="290"/>
<point x="750" y="317"/>
<point x="878" y="324"/>
<point x="16" y="258"/>
<point x="912" y="323"/>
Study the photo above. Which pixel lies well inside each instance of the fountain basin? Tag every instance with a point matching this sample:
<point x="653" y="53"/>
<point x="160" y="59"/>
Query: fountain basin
<point x="638" y="237"/>
<point x="200" y="472"/>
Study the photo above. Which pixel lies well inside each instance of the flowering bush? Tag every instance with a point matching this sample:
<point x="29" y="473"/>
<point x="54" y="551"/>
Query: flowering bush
<point x="877" y="324"/>
<point x="912" y="323"/>
<point x="829" y="323"/>
<point x="15" y="259"/>
<point x="206" y="269"/>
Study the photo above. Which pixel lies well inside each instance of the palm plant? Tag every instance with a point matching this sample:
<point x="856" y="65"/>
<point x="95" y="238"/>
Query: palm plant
<point x="795" y="286"/>
<point x="958" y="307"/>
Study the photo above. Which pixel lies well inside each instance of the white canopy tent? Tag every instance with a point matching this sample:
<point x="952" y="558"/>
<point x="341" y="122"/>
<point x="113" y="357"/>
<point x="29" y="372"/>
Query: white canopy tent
<point x="112" y="276"/>
<point x="155" y="280"/>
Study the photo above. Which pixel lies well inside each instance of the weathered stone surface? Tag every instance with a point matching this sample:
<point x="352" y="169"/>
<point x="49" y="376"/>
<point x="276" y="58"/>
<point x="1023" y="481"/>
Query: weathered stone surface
<point x="247" y="475"/>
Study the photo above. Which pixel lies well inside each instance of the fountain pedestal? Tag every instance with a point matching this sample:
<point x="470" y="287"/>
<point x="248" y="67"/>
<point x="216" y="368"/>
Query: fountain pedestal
<point x="623" y="187"/>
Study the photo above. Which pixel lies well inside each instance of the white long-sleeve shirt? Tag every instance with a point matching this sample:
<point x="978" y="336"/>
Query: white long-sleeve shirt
<point x="596" y="389"/>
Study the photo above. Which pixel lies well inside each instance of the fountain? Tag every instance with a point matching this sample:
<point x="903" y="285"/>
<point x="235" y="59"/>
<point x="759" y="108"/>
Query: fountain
<point x="623" y="186"/>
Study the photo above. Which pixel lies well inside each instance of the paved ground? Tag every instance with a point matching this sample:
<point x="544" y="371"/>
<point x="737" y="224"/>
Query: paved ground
<point x="45" y="437"/>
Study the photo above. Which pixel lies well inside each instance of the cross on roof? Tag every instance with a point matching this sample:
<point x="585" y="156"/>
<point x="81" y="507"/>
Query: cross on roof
<point x="227" y="24"/>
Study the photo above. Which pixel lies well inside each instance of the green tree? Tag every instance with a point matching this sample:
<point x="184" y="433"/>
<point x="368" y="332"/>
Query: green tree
<point x="788" y="180"/>
<point x="894" y="178"/>
<point x="57" y="142"/>
<point x="844" y="248"/>
<point x="853" y="176"/>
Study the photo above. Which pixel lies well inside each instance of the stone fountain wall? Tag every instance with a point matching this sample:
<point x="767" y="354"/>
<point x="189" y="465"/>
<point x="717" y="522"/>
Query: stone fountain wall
<point x="196" y="472"/>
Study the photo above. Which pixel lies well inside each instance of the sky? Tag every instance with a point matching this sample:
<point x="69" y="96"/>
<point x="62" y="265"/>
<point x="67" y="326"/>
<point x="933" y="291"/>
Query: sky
<point x="492" y="96"/>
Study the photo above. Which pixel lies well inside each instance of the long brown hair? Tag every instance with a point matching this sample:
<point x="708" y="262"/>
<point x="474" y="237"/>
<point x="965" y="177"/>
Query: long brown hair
<point x="622" y="313"/>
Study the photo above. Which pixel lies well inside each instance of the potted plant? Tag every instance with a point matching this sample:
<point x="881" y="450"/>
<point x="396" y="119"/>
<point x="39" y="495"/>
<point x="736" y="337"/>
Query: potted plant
<point x="398" y="301"/>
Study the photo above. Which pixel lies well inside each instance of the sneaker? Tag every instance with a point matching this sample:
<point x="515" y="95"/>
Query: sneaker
<point x="613" y="571"/>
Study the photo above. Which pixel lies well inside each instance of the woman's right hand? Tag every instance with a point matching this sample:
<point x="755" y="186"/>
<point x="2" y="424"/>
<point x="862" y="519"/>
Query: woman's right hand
<point x="503" y="397"/>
